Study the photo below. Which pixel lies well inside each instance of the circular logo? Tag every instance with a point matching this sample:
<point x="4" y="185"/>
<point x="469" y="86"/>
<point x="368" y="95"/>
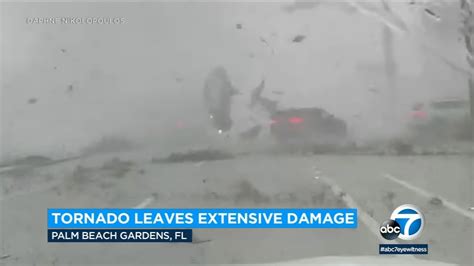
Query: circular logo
<point x="390" y="229"/>
<point x="410" y="220"/>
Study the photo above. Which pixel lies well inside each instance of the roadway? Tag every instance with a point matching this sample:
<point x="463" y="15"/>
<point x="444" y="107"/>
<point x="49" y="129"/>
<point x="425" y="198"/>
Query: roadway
<point x="373" y="184"/>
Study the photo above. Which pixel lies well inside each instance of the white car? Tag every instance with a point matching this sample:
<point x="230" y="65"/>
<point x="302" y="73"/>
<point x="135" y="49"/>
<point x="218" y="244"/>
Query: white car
<point x="441" y="118"/>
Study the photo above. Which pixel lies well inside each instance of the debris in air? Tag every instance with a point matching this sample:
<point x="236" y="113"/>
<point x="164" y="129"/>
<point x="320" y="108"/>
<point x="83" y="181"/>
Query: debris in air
<point x="432" y="14"/>
<point x="4" y="256"/>
<point x="373" y="90"/>
<point x="299" y="38"/>
<point x="238" y="26"/>
<point x="118" y="167"/>
<point x="251" y="133"/>
<point x="194" y="156"/>
<point x="63" y="50"/>
<point x="32" y="101"/>
<point x="218" y="92"/>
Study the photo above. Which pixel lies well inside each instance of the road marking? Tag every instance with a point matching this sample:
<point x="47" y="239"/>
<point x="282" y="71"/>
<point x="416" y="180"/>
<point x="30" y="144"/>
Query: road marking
<point x="6" y="169"/>
<point x="363" y="216"/>
<point x="426" y="194"/>
<point x="145" y="203"/>
<point x="199" y="164"/>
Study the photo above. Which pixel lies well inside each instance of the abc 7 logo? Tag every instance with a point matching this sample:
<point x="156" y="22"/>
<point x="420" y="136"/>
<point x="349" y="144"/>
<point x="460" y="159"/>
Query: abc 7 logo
<point x="406" y="223"/>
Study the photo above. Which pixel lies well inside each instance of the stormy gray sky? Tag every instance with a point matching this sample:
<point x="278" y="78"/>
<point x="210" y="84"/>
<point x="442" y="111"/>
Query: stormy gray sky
<point x="64" y="86"/>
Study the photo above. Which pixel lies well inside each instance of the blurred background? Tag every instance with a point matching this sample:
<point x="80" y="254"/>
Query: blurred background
<point x="65" y="86"/>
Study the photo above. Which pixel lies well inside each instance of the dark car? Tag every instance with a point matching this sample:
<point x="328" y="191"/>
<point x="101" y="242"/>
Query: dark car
<point x="307" y="126"/>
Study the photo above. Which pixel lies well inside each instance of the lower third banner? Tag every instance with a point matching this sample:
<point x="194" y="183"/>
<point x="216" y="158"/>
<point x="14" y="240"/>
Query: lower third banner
<point x="120" y="235"/>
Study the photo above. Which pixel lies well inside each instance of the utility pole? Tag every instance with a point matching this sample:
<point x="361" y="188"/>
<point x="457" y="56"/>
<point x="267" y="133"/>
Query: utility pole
<point x="468" y="32"/>
<point x="390" y="72"/>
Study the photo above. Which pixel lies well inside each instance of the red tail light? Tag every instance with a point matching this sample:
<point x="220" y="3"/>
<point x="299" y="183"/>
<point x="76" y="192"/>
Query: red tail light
<point x="419" y="114"/>
<point x="295" y="120"/>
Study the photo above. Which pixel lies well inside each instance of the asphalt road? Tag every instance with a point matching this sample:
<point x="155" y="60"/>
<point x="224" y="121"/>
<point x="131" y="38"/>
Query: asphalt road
<point x="376" y="185"/>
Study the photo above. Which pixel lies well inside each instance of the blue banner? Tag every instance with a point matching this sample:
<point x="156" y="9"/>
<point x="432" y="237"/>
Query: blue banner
<point x="120" y="235"/>
<point x="201" y="218"/>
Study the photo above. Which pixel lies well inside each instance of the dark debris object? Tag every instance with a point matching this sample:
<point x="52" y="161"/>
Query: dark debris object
<point x="431" y="13"/>
<point x="238" y="26"/>
<point x="436" y="201"/>
<point x="251" y="133"/>
<point x="299" y="38"/>
<point x="32" y="101"/>
<point x="115" y="163"/>
<point x="194" y="156"/>
<point x="117" y="166"/>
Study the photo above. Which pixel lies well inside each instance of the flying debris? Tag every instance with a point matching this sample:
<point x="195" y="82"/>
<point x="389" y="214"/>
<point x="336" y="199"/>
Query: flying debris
<point x="432" y="14"/>
<point x="251" y="133"/>
<point x="264" y="41"/>
<point x="238" y="26"/>
<point x="373" y="90"/>
<point x="256" y="97"/>
<point x="63" y="50"/>
<point x="218" y="92"/>
<point x="5" y="256"/>
<point x="32" y="101"/>
<point x="299" y="38"/>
